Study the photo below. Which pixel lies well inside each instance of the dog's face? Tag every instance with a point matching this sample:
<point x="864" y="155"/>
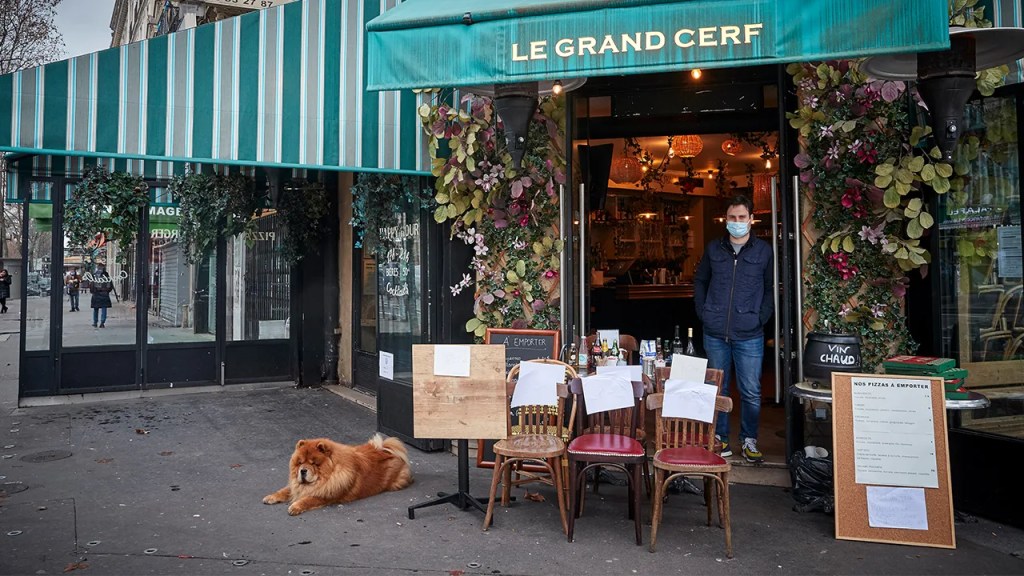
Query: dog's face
<point x="311" y="461"/>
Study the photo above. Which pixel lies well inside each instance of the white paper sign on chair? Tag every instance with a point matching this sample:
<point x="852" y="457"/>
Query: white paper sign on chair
<point x="537" y="384"/>
<point x="605" y="392"/>
<point x="689" y="399"/>
<point x="634" y="373"/>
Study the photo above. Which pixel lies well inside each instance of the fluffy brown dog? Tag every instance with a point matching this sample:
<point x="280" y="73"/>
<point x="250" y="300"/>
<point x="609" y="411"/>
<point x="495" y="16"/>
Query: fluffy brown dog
<point x="323" y="472"/>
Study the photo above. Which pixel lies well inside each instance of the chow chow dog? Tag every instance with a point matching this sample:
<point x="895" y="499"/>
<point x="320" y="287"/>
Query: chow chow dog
<point x="323" y="472"/>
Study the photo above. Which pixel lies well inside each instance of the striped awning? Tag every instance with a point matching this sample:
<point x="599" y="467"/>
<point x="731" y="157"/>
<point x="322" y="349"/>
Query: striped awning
<point x="280" y="87"/>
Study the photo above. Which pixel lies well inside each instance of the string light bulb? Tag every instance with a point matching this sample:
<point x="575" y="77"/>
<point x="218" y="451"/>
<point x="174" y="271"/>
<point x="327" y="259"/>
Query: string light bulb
<point x="556" y="88"/>
<point x="696" y="73"/>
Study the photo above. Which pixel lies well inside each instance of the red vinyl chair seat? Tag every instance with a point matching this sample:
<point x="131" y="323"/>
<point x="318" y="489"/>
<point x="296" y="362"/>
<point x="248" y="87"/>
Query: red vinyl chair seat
<point x="689" y="456"/>
<point x="605" y="445"/>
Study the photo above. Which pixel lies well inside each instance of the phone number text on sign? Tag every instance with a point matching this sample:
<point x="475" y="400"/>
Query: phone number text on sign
<point x="254" y="4"/>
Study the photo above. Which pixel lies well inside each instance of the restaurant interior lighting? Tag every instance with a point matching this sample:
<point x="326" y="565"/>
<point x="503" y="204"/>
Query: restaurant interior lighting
<point x="696" y="73"/>
<point x="732" y="147"/>
<point x="688" y="146"/>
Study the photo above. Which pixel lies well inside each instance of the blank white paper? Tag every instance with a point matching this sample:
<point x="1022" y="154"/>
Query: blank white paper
<point x="605" y="392"/>
<point x="537" y="384"/>
<point x="892" y="507"/>
<point x="609" y="335"/>
<point x="631" y="373"/>
<point x="689" y="399"/>
<point x="688" y="368"/>
<point x="451" y="360"/>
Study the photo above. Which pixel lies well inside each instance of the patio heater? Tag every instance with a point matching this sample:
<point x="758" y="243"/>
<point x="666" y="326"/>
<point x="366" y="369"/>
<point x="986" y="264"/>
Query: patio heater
<point x="945" y="79"/>
<point x="515" y="105"/>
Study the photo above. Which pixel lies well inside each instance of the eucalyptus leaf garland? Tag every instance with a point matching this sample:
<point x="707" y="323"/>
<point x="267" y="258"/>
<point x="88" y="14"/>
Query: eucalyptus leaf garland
<point x="212" y="204"/>
<point x="107" y="202"/>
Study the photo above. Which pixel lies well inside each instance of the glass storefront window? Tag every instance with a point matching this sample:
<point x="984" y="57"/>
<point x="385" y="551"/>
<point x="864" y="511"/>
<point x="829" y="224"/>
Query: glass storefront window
<point x="37" y="284"/>
<point x="982" y="322"/>
<point x="259" y="283"/>
<point x="400" y="277"/>
<point x="181" y="296"/>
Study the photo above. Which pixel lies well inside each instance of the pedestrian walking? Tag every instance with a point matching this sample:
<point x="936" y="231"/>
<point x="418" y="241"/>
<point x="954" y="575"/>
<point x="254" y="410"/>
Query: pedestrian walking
<point x="5" y="289"/>
<point x="102" y="286"/>
<point x="74" y="287"/>
<point x="733" y="296"/>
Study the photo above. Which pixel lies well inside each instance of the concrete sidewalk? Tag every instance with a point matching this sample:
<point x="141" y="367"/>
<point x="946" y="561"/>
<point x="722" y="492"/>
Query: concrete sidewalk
<point x="173" y="485"/>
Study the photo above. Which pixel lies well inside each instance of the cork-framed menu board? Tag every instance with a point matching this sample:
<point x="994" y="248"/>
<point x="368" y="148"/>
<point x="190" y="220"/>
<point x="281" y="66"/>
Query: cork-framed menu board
<point x="891" y="460"/>
<point x="459" y="407"/>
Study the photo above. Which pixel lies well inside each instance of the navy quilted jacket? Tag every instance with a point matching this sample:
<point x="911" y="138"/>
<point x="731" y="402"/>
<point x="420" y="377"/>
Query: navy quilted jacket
<point x="733" y="292"/>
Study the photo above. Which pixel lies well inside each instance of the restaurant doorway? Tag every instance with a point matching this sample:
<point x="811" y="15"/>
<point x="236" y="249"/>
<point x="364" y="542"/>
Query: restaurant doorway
<point x="656" y="160"/>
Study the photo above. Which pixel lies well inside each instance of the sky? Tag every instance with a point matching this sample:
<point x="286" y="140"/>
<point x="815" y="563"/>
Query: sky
<point x="85" y="25"/>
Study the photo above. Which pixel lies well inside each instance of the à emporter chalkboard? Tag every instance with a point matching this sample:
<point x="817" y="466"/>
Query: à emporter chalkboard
<point x="519" y="345"/>
<point x="524" y="344"/>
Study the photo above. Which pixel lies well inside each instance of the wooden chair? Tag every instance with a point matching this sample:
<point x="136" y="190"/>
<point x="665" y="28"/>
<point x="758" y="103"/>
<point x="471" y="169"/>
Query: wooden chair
<point x="539" y="436"/>
<point x="1007" y="322"/>
<point x="688" y="448"/>
<point x="605" y="439"/>
<point x="523" y="473"/>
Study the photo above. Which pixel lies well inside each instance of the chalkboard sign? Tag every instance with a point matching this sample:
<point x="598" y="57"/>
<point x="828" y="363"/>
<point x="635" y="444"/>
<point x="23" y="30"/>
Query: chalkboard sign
<point x="520" y="345"/>
<point x="523" y="345"/>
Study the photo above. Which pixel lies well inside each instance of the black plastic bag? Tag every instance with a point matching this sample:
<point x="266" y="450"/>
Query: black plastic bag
<point x="812" y="483"/>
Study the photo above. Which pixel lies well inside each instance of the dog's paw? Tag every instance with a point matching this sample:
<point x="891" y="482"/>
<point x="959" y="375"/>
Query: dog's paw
<point x="271" y="499"/>
<point x="294" y="509"/>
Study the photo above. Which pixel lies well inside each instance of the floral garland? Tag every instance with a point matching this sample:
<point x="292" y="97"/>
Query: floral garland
<point x="848" y="125"/>
<point x="866" y="182"/>
<point x="508" y="216"/>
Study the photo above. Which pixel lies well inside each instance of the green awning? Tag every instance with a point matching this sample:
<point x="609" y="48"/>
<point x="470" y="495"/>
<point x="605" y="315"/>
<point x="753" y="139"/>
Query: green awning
<point x="444" y="43"/>
<point x="281" y="87"/>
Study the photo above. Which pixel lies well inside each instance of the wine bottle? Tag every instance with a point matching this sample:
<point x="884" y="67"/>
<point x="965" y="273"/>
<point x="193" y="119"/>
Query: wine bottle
<point x="677" y="342"/>
<point x="690" y="349"/>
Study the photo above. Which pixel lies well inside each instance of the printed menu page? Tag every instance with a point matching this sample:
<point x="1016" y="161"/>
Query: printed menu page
<point x="894" y="432"/>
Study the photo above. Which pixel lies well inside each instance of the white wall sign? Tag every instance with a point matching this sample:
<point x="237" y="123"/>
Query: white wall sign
<point x="386" y="365"/>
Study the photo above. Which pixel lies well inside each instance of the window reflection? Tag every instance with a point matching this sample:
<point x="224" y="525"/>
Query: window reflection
<point x="259" y="282"/>
<point x="980" y="245"/>
<point x="400" y="289"/>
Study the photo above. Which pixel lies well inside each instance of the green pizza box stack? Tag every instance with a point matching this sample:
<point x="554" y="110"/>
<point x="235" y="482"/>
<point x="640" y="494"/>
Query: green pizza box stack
<point x="955" y="378"/>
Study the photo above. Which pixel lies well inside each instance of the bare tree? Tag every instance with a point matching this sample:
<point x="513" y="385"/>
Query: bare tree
<point x="28" y="38"/>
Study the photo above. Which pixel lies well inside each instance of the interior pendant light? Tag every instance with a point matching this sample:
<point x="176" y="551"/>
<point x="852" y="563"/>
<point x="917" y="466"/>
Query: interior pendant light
<point x="732" y="147"/>
<point x="688" y="146"/>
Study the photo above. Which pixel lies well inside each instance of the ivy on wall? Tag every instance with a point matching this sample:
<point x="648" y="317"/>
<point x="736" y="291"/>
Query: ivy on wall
<point x="214" y="204"/>
<point x="107" y="202"/>
<point x="508" y="216"/>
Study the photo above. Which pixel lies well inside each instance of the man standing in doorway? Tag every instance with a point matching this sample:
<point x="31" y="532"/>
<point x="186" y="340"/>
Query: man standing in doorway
<point x="733" y="295"/>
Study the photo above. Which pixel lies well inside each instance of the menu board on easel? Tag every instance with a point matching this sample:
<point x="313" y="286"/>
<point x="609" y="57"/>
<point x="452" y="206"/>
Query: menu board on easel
<point x="891" y="460"/>
<point x="520" y="345"/>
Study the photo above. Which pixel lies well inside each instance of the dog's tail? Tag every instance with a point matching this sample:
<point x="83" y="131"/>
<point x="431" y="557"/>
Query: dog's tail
<point x="391" y="445"/>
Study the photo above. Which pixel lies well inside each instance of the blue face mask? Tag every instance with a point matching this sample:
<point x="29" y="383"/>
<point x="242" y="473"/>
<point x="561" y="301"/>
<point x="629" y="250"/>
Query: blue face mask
<point x="738" y="229"/>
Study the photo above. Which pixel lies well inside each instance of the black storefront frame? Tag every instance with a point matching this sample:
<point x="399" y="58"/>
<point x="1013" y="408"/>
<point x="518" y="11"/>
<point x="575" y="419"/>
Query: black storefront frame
<point x="42" y="373"/>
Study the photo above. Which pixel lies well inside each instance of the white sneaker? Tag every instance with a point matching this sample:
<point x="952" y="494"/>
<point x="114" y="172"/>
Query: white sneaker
<point x="726" y="450"/>
<point x="750" y="451"/>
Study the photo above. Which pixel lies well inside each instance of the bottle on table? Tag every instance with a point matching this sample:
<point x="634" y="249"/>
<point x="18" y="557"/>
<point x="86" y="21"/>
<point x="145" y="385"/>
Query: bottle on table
<point x="659" y="356"/>
<point x="677" y="343"/>
<point x="604" y="347"/>
<point x="691" y="350"/>
<point x="573" y="359"/>
<point x="582" y="361"/>
<point x="595" y="356"/>
<point x="614" y="350"/>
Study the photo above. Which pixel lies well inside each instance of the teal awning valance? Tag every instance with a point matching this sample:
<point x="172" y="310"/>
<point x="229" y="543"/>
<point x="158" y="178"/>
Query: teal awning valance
<point x="283" y="87"/>
<point x="443" y="43"/>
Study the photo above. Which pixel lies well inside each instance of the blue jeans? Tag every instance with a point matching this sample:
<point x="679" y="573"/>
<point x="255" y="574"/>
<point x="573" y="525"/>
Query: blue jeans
<point x="74" y="300"/>
<point x="101" y="313"/>
<point x="746" y="357"/>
